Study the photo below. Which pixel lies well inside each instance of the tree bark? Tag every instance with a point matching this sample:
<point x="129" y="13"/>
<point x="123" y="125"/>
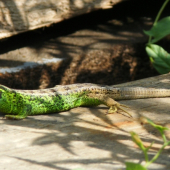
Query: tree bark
<point x="18" y="16"/>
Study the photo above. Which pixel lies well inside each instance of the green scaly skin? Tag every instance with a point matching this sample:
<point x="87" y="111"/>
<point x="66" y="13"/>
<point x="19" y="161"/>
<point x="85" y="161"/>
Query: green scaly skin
<point x="18" y="104"/>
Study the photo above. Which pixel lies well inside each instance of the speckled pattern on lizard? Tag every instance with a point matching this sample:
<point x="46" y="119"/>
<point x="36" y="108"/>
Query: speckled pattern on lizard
<point x="18" y="104"/>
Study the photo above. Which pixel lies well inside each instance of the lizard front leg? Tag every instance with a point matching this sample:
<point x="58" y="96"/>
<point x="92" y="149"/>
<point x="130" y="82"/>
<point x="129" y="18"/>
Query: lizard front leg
<point x="15" y="117"/>
<point x="22" y="113"/>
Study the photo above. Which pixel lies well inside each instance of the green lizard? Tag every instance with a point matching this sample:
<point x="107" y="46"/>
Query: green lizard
<point x="18" y="104"/>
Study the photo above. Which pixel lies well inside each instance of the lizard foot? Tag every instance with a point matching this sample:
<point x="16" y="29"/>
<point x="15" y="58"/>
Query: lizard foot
<point x="113" y="105"/>
<point x="15" y="117"/>
<point x="117" y="106"/>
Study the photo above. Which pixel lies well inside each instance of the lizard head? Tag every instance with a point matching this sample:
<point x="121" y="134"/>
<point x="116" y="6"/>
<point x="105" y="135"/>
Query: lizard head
<point x="5" y="96"/>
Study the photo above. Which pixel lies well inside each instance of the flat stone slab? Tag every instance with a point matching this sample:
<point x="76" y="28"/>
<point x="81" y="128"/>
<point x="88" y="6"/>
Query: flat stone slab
<point x="85" y="137"/>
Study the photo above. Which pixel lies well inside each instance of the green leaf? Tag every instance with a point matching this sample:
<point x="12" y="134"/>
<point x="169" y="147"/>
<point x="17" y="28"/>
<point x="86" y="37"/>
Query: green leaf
<point x="134" y="166"/>
<point x="159" y="30"/>
<point x="159" y="58"/>
<point x="158" y="127"/>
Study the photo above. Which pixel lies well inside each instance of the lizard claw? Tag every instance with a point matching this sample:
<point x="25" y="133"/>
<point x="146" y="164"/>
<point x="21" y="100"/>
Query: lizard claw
<point x="117" y="106"/>
<point x="125" y="110"/>
<point x="124" y="105"/>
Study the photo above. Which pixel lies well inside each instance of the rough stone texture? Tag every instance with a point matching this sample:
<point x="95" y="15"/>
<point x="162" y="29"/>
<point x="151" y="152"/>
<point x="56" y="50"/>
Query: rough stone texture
<point x="86" y="138"/>
<point x="18" y="16"/>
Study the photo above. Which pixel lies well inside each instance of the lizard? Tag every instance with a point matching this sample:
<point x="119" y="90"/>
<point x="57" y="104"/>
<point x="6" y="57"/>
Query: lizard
<point x="18" y="104"/>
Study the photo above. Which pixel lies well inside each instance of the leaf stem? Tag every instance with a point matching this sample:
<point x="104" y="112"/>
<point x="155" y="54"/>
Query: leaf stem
<point x="146" y="156"/>
<point x="157" y="155"/>
<point x="158" y="16"/>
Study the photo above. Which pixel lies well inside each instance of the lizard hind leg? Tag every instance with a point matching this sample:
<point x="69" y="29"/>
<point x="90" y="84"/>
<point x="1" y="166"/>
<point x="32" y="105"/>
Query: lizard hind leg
<point x="114" y="106"/>
<point x="117" y="107"/>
